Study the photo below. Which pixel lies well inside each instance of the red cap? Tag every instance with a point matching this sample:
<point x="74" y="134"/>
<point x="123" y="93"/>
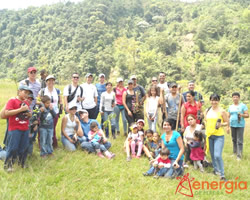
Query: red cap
<point x="30" y="69"/>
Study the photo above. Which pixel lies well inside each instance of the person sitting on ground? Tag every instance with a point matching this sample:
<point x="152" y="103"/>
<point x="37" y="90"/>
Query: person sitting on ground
<point x="161" y="165"/>
<point x="98" y="140"/>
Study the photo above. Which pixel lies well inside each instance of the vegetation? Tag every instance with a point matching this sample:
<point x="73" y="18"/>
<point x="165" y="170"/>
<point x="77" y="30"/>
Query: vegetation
<point x="207" y="41"/>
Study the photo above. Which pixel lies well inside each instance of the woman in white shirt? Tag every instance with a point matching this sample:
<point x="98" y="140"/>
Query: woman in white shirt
<point x="152" y="106"/>
<point x="107" y="105"/>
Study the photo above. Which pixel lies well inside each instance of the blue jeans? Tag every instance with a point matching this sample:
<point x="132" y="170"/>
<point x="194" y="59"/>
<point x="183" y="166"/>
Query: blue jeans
<point x="173" y="171"/>
<point x="18" y="142"/>
<point x="46" y="140"/>
<point x="70" y="146"/>
<point x="112" y="121"/>
<point x="88" y="146"/>
<point x="162" y="171"/>
<point x="216" y="144"/>
<point x="117" y="111"/>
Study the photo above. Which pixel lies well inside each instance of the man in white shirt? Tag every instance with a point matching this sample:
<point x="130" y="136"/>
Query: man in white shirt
<point x="73" y="94"/>
<point x="90" y="94"/>
<point x="162" y="83"/>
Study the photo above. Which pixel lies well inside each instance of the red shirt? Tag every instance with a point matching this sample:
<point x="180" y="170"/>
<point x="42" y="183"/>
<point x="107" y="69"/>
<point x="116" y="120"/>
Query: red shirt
<point x="190" y="109"/>
<point x="118" y="95"/>
<point x="19" y="121"/>
<point x="160" y="160"/>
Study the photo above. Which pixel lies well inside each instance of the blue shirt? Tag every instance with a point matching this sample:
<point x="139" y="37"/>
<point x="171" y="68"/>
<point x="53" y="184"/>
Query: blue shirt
<point x="172" y="145"/>
<point x="233" y="111"/>
<point x="100" y="89"/>
<point x="86" y="126"/>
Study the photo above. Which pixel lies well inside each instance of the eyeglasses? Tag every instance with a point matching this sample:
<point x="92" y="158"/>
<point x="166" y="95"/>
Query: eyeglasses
<point x="76" y="77"/>
<point x="174" y="87"/>
<point x="33" y="72"/>
<point x="133" y="79"/>
<point x="154" y="80"/>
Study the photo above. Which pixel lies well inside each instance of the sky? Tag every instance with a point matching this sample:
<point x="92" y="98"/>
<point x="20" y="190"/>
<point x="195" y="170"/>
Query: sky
<point x="20" y="4"/>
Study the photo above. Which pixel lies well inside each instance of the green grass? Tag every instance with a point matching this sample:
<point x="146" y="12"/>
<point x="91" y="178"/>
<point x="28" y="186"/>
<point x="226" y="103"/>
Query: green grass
<point x="79" y="175"/>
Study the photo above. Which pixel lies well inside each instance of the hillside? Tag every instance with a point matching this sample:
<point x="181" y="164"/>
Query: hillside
<point x="207" y="41"/>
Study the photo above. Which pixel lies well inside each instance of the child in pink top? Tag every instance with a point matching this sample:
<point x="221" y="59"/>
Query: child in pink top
<point x="136" y="139"/>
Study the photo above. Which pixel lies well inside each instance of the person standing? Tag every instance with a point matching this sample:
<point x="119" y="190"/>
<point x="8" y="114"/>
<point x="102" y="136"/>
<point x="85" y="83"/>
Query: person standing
<point x="73" y="94"/>
<point x="119" y="108"/>
<point x="101" y="87"/>
<point x="237" y="112"/>
<point x="32" y="83"/>
<point x="140" y="97"/>
<point x="90" y="96"/>
<point x="173" y="99"/>
<point x="198" y="97"/>
<point x="43" y="75"/>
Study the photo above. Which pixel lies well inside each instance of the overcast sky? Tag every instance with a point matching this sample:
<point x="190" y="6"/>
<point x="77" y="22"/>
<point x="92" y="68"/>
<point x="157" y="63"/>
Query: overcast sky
<point x="17" y="4"/>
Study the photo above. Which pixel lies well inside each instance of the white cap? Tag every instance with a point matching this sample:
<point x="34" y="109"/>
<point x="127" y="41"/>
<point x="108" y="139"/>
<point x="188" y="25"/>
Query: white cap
<point x="119" y="80"/>
<point x="133" y="77"/>
<point x="100" y="75"/>
<point x="50" y="77"/>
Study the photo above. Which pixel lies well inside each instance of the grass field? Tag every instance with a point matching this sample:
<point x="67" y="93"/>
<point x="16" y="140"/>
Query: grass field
<point x="79" y="175"/>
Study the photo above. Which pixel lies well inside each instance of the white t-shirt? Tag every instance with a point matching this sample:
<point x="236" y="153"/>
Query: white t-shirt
<point x="164" y="86"/>
<point x="188" y="135"/>
<point x="89" y="93"/>
<point x="53" y="97"/>
<point x="152" y="104"/>
<point x="74" y="101"/>
<point x="135" y="136"/>
<point x="106" y="101"/>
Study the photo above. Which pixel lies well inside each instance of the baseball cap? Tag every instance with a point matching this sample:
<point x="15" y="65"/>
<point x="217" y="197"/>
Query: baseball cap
<point x="72" y="106"/>
<point x="50" y="77"/>
<point x="82" y="111"/>
<point x="88" y="75"/>
<point x="30" y="69"/>
<point x="25" y="87"/>
<point x="101" y="75"/>
<point x="119" y="80"/>
<point x="133" y="77"/>
<point x="133" y="126"/>
<point x="154" y="79"/>
<point x="173" y="84"/>
<point x="130" y="81"/>
<point x="31" y="96"/>
<point x="141" y="120"/>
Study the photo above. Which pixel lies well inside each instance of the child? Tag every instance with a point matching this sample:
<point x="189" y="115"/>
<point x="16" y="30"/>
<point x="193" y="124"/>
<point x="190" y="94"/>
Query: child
<point x="163" y="163"/>
<point x="197" y="153"/>
<point x="98" y="140"/>
<point x="17" y="110"/>
<point x="135" y="139"/>
<point x="46" y="127"/>
<point x="152" y="145"/>
<point x="151" y="107"/>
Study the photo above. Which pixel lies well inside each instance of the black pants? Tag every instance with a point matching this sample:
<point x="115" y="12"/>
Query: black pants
<point x="92" y="113"/>
<point x="130" y="119"/>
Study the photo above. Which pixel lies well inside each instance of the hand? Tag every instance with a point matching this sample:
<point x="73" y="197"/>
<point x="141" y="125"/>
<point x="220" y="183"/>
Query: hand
<point x="228" y="130"/>
<point x="28" y="114"/>
<point x="35" y="127"/>
<point x="130" y="113"/>
<point x="152" y="161"/>
<point x="42" y="109"/>
<point x="102" y="113"/>
<point x="24" y="107"/>
<point x="161" y="165"/>
<point x="176" y="165"/>
<point x="113" y="105"/>
<point x="71" y="141"/>
<point x="67" y="108"/>
<point x="51" y="106"/>
<point x="182" y="129"/>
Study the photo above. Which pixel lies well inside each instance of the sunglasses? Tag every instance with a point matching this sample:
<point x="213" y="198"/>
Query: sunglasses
<point x="154" y="80"/>
<point x="76" y="77"/>
<point x="174" y="87"/>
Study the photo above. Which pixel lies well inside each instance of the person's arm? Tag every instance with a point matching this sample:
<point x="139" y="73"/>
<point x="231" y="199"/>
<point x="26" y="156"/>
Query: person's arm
<point x="147" y="107"/>
<point x="96" y="95"/>
<point x="2" y="113"/>
<point x="101" y="104"/>
<point x="79" y="130"/>
<point x="157" y="108"/>
<point x="183" y="112"/>
<point x="65" y="98"/>
<point x="225" y="120"/>
<point x="181" y="146"/>
<point x="63" y="126"/>
<point x="124" y="103"/>
<point x="9" y="113"/>
<point x="245" y="113"/>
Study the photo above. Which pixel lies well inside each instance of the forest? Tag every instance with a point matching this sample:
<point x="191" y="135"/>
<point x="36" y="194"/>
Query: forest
<point x="206" y="41"/>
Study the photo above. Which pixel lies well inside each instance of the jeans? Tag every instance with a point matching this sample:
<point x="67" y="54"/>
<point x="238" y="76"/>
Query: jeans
<point x="46" y="140"/>
<point x="70" y="146"/>
<point x="172" y="171"/>
<point x="18" y="142"/>
<point x="152" y="124"/>
<point x="54" y="139"/>
<point x="117" y="118"/>
<point x="216" y="144"/>
<point x="237" y="138"/>
<point x="161" y="171"/>
<point x="112" y="121"/>
<point x="88" y="146"/>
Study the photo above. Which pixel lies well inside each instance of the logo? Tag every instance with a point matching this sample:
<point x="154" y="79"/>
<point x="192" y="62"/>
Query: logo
<point x="187" y="185"/>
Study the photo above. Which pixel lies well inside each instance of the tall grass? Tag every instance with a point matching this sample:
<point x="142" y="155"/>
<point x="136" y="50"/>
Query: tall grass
<point x="80" y="175"/>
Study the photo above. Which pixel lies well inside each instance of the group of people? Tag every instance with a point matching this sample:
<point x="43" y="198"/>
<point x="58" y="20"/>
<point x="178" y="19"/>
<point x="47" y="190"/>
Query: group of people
<point x="183" y="127"/>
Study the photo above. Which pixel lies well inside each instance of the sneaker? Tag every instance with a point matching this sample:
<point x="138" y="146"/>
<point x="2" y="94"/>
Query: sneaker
<point x="129" y="159"/>
<point x="156" y="176"/>
<point x="185" y="165"/>
<point x="216" y="173"/>
<point x="223" y="178"/>
<point x="10" y="169"/>
<point x="146" y="174"/>
<point x="100" y="155"/>
<point x="201" y="169"/>
<point x="238" y="159"/>
<point x="111" y="156"/>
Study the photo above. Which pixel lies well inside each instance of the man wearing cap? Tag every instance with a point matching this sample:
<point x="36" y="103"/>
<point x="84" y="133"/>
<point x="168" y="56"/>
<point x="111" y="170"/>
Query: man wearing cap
<point x="90" y="94"/>
<point x="73" y="93"/>
<point x="43" y="75"/>
<point x="141" y="96"/>
<point x="32" y="83"/>
<point x="173" y="99"/>
<point x="101" y="87"/>
<point x="18" y="112"/>
<point x="198" y="97"/>
<point x="85" y="124"/>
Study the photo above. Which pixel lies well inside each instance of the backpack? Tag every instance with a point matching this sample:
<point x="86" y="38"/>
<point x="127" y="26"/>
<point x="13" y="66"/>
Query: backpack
<point x="72" y="96"/>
